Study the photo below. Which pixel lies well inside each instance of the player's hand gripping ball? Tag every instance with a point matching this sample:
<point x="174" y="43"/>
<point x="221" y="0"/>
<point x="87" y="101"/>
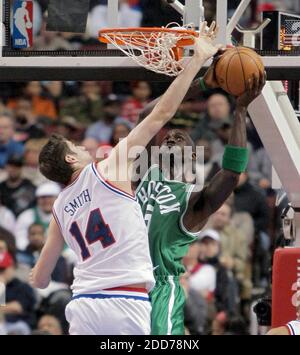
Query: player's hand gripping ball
<point x="235" y="67"/>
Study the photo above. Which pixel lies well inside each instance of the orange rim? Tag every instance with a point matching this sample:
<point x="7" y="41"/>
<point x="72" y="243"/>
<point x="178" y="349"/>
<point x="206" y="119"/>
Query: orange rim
<point x="134" y="34"/>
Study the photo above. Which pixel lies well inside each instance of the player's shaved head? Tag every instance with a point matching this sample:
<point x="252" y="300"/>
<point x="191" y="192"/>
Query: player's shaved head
<point x="185" y="141"/>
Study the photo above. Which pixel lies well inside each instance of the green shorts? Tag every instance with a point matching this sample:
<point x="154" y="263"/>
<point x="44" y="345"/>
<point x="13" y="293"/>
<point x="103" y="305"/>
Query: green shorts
<point x="168" y="300"/>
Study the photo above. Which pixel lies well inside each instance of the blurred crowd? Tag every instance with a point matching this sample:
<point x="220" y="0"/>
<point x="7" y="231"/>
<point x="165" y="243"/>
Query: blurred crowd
<point x="228" y="267"/>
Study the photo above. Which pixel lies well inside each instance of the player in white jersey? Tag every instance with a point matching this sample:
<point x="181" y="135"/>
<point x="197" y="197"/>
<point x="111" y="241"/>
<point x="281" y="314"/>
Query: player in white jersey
<point x="100" y="220"/>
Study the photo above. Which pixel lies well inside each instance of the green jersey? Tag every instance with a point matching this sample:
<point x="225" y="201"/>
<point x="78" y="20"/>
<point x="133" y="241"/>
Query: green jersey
<point x="163" y="204"/>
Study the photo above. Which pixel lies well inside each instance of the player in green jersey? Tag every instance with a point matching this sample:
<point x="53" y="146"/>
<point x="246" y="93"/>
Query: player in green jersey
<point x="175" y="212"/>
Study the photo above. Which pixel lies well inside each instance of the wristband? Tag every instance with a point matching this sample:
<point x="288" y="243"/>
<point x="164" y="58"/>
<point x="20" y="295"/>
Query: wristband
<point x="235" y="159"/>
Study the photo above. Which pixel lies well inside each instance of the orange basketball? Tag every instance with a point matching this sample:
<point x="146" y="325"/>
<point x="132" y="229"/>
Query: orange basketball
<point x="235" y="67"/>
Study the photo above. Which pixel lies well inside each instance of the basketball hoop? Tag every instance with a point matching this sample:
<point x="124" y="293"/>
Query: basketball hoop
<point x="159" y="49"/>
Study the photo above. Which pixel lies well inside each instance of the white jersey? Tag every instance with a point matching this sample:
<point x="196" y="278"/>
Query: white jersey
<point x="104" y="226"/>
<point x="294" y="327"/>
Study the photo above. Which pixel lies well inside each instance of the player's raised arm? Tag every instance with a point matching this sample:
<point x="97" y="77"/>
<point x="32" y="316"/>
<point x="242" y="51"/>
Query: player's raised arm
<point x="41" y="274"/>
<point x="202" y="204"/>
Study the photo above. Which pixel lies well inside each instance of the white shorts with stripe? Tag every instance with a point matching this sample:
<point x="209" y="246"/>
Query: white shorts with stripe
<point x="110" y="313"/>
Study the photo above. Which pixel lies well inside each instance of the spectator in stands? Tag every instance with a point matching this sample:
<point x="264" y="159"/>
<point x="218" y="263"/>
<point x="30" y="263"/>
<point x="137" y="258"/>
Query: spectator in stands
<point x="226" y="289"/>
<point x="244" y="222"/>
<point x="17" y="193"/>
<point x="234" y="247"/>
<point x="222" y="130"/>
<point x="20" y="299"/>
<point x="41" y="105"/>
<point x="50" y="40"/>
<point x="141" y="93"/>
<point x="260" y="170"/>
<point x="54" y="90"/>
<point x="202" y="276"/>
<point x="70" y="128"/>
<point x="218" y="109"/>
<point x="28" y="124"/>
<point x="87" y="108"/>
<point x="195" y="309"/>
<point x="130" y="15"/>
<point x="209" y="166"/>
<point x="28" y="258"/>
<point x="46" y="194"/>
<point x="102" y="130"/>
<point x="7" y="218"/>
<point x="8" y="146"/>
<point x="248" y="198"/>
<point x="8" y="243"/>
<point x="121" y="129"/>
<point x="234" y="325"/>
<point x="31" y="161"/>
<point x="186" y="117"/>
<point x="50" y="324"/>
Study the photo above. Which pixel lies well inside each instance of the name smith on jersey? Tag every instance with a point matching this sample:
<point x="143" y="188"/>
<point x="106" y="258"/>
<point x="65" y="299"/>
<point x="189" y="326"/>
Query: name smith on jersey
<point x="78" y="202"/>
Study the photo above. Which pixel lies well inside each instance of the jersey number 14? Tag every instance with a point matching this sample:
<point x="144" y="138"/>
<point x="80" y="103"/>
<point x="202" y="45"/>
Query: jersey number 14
<point x="96" y="231"/>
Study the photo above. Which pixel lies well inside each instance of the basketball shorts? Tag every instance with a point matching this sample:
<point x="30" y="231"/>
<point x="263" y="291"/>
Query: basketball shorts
<point x="167" y="300"/>
<point x="109" y="313"/>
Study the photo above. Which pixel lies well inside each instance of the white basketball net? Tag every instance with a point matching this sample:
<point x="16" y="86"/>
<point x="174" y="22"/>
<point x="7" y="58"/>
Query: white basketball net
<point x="154" y="51"/>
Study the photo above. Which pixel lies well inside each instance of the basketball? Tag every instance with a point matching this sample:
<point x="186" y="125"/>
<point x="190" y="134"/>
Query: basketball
<point x="28" y="25"/>
<point x="235" y="67"/>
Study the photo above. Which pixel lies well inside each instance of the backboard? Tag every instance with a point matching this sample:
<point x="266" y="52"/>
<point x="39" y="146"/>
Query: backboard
<point x="100" y="63"/>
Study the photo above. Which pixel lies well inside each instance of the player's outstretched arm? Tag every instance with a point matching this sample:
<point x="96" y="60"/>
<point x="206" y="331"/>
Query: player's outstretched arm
<point x="210" y="199"/>
<point x="40" y="275"/>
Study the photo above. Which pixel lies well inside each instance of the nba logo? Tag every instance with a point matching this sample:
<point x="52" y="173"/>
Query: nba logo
<point x="22" y="24"/>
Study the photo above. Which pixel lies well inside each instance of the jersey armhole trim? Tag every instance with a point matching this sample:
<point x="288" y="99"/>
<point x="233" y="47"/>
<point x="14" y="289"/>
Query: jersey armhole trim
<point x="181" y="224"/>
<point x="110" y="186"/>
<point x="57" y="220"/>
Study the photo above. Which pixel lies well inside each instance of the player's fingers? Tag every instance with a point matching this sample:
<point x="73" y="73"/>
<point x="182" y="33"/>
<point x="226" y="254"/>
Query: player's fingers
<point x="216" y="31"/>
<point x="203" y="28"/>
<point x="261" y="82"/>
<point x="256" y="84"/>
<point x="212" y="28"/>
<point x="248" y="84"/>
<point x="251" y="83"/>
<point x="264" y="79"/>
